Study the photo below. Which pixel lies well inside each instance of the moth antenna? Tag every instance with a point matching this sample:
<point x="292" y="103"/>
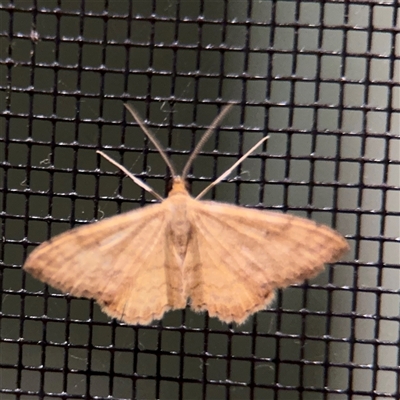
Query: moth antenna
<point x="138" y="181"/>
<point x="152" y="137"/>
<point x="228" y="171"/>
<point x="205" y="137"/>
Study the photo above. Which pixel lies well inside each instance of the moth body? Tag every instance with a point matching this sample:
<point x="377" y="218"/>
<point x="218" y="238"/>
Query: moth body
<point x="227" y="260"/>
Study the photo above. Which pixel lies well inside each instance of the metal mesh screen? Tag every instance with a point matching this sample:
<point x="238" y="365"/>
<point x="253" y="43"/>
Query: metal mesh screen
<point x="321" y="78"/>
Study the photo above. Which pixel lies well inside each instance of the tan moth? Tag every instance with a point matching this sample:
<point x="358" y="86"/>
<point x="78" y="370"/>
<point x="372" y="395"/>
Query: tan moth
<point x="228" y="260"/>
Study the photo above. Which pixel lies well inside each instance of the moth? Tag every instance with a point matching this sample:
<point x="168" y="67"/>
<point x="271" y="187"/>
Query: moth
<point x="226" y="259"/>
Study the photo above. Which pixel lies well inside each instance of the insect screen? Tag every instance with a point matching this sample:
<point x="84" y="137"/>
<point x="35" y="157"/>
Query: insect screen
<point x="321" y="78"/>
